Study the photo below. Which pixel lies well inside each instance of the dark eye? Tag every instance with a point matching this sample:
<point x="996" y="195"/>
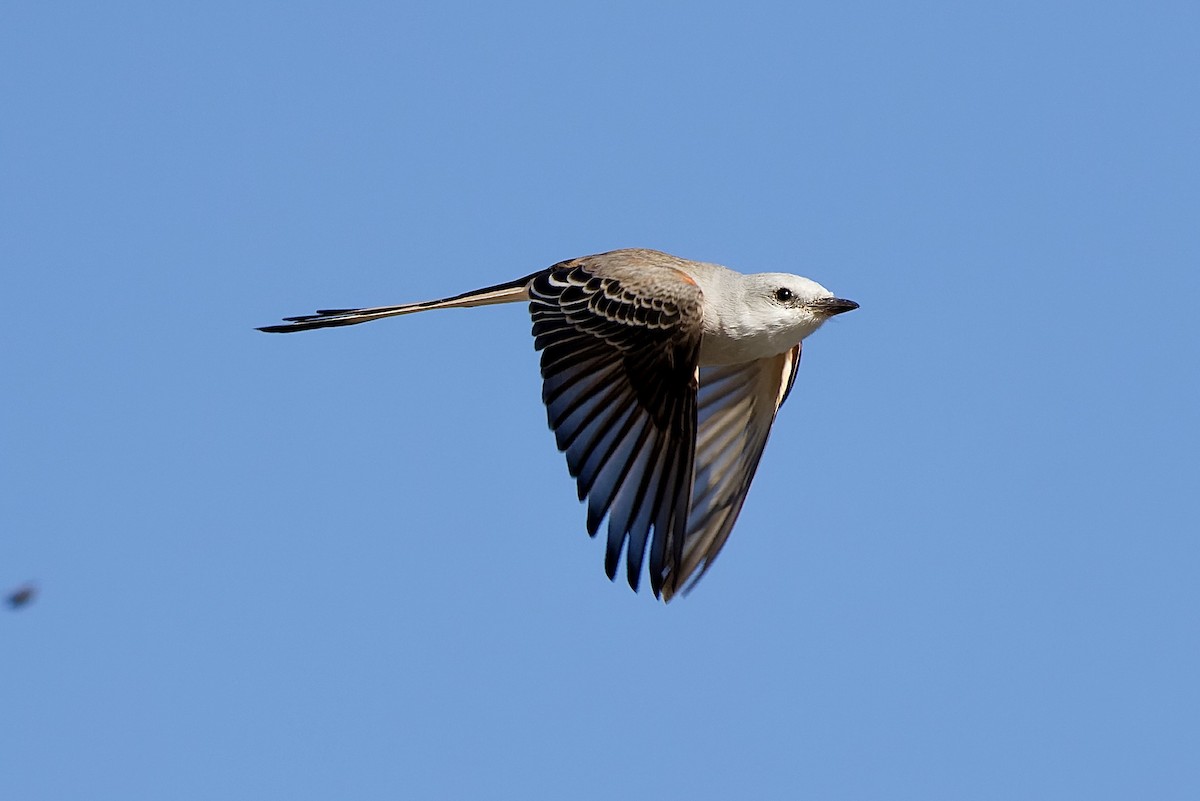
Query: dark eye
<point x="783" y="294"/>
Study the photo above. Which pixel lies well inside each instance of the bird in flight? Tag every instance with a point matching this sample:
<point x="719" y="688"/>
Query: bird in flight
<point x="661" y="379"/>
<point x="21" y="595"/>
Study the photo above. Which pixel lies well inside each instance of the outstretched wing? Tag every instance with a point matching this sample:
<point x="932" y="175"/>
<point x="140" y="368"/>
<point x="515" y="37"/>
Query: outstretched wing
<point x="619" y="336"/>
<point x="737" y="406"/>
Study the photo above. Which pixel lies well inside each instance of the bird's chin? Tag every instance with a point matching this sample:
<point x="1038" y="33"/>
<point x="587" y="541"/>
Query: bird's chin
<point x="812" y="327"/>
<point x="787" y="338"/>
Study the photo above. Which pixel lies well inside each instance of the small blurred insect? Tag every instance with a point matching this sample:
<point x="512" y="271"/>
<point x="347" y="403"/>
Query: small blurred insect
<point x="21" y="596"/>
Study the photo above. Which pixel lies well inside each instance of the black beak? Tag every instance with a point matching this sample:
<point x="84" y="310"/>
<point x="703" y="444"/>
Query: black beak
<point x="831" y="306"/>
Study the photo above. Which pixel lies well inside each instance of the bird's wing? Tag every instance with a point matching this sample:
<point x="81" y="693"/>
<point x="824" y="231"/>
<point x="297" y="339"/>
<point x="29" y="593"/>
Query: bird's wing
<point x="620" y="343"/>
<point x="737" y="406"/>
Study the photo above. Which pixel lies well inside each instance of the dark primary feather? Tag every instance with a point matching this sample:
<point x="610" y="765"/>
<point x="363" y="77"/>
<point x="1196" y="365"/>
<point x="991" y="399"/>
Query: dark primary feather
<point x="618" y="367"/>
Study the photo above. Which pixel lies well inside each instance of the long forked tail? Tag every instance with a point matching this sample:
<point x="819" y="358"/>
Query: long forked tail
<point x="511" y="292"/>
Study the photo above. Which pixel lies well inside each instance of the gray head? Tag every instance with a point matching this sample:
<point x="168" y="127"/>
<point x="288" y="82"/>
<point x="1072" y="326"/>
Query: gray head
<point x="790" y="307"/>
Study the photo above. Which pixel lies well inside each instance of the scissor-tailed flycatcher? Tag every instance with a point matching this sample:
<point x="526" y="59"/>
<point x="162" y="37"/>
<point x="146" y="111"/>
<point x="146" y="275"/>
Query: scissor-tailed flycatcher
<point x="661" y="379"/>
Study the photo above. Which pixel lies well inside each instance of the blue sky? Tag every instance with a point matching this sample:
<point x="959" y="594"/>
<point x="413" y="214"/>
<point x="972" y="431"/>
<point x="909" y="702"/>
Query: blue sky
<point x="351" y="563"/>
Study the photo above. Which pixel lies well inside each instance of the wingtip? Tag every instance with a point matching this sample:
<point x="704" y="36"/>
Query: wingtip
<point x="611" y="557"/>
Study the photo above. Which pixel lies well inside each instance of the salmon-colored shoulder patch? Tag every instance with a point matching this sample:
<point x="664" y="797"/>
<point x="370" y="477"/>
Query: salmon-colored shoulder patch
<point x="687" y="279"/>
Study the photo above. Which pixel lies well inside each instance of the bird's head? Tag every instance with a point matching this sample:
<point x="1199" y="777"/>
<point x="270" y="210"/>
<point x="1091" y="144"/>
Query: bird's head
<point x="790" y="307"/>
